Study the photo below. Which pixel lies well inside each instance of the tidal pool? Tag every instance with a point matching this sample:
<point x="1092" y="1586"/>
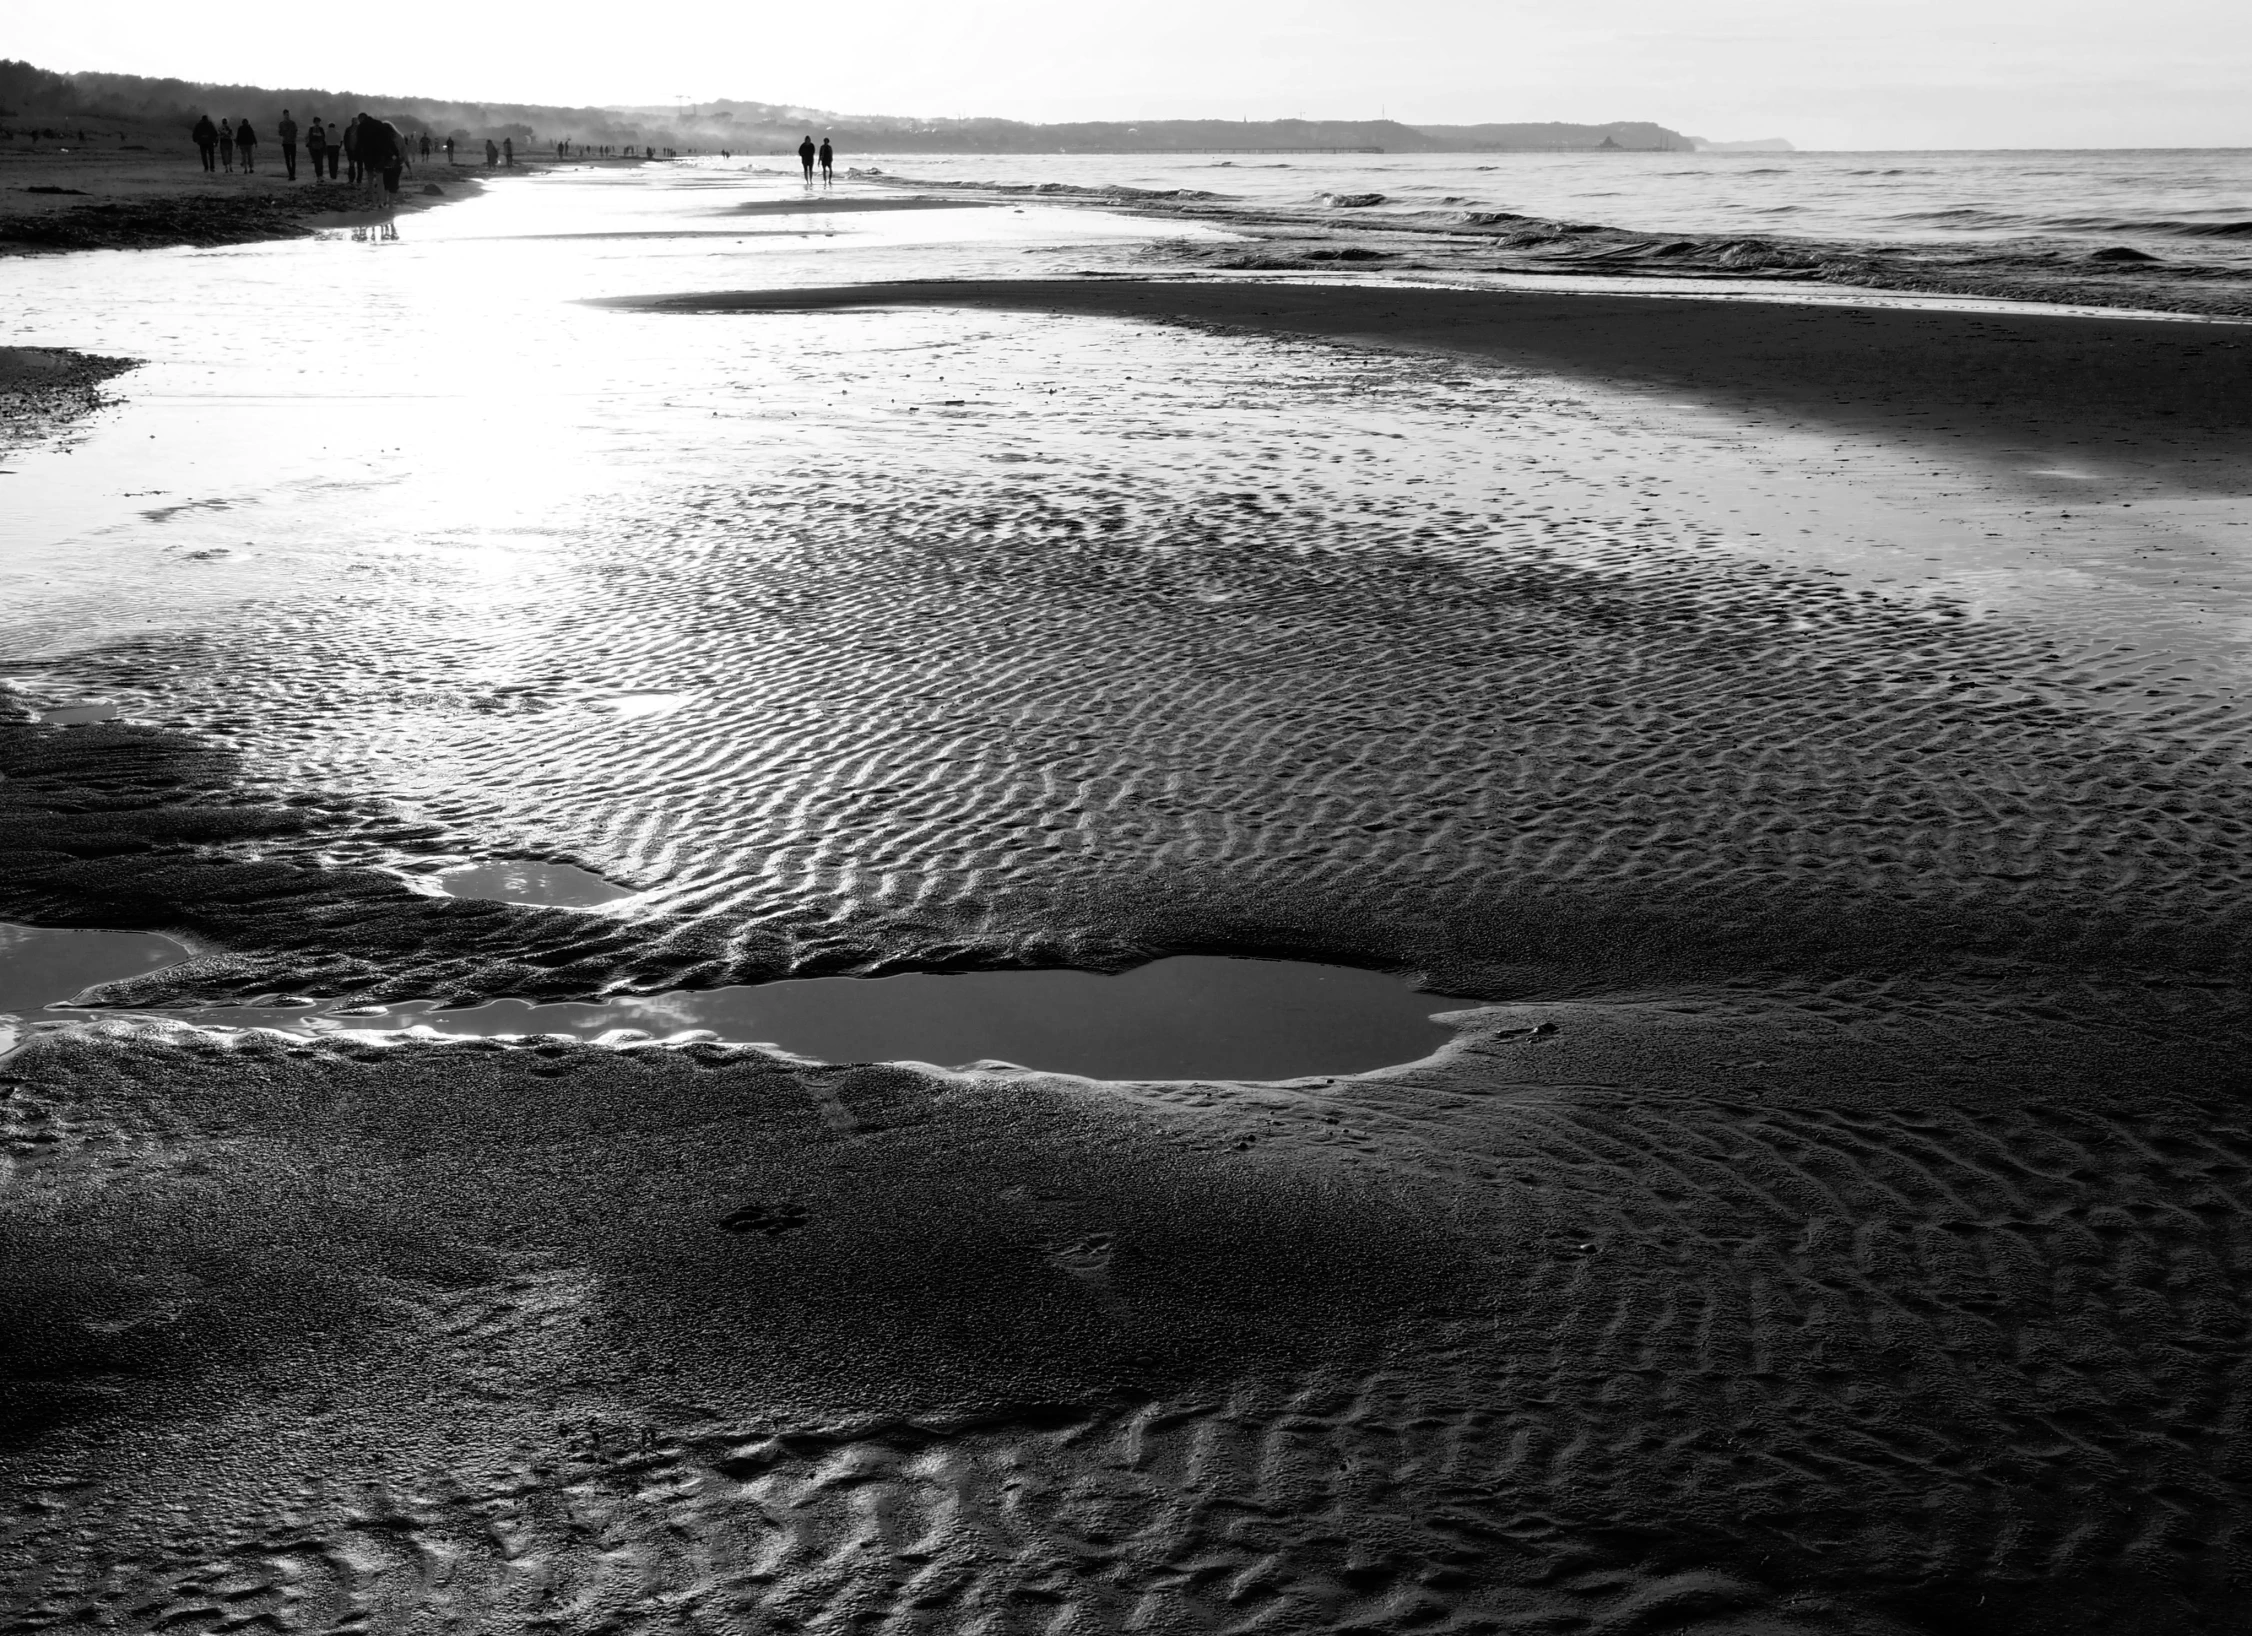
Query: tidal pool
<point x="525" y="880"/>
<point x="1189" y="1017"/>
<point x="41" y="966"/>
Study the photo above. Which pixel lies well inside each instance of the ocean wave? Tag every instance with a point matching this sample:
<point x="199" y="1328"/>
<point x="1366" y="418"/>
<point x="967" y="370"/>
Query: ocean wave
<point x="2152" y="229"/>
<point x="1964" y="215"/>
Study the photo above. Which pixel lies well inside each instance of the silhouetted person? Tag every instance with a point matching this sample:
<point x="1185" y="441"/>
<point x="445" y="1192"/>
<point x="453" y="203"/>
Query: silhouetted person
<point x="806" y="156"/>
<point x="335" y="150"/>
<point x="227" y="146"/>
<point x="828" y="160"/>
<point x="508" y="151"/>
<point x="449" y="150"/>
<point x="426" y="147"/>
<point x="492" y="153"/>
<point x="351" y="142"/>
<point x="383" y="154"/>
<point x="316" y="145"/>
<point x="206" y="137"/>
<point x="287" y="131"/>
<point x="246" y="144"/>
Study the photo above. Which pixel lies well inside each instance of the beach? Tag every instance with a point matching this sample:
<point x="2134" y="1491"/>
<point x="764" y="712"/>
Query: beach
<point x="1803" y="732"/>
<point x="130" y="198"/>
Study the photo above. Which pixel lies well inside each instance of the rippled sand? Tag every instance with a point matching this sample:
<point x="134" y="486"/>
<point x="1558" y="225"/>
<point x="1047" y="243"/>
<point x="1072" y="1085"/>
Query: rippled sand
<point x="1836" y="1223"/>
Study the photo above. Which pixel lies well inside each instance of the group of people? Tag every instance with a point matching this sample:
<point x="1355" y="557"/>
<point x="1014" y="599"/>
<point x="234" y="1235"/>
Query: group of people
<point x="826" y="155"/>
<point x="370" y="150"/>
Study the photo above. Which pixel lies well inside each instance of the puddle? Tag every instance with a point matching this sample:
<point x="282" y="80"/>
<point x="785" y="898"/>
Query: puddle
<point x="40" y="967"/>
<point x="1191" y="1017"/>
<point x="517" y="880"/>
<point x="72" y="715"/>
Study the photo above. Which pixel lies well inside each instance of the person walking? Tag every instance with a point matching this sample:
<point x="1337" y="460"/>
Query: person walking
<point x="508" y="151"/>
<point x="227" y="146"/>
<point x="206" y="137"/>
<point x="492" y="153"/>
<point x="805" y="156"/>
<point x="828" y="163"/>
<point x="449" y="150"/>
<point x="316" y="140"/>
<point x="287" y="131"/>
<point x="246" y="144"/>
<point x="352" y="150"/>
<point x="426" y="147"/>
<point x="335" y="149"/>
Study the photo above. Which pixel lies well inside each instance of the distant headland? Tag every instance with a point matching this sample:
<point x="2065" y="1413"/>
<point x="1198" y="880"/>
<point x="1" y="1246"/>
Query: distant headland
<point x="120" y="105"/>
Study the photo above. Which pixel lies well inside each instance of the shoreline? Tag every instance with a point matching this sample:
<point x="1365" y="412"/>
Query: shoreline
<point x="1345" y="237"/>
<point x="58" y="203"/>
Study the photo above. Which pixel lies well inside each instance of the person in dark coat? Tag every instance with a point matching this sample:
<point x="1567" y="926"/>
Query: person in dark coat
<point x="382" y="153"/>
<point x="828" y="163"/>
<point x="805" y="156"/>
<point x="246" y="144"/>
<point x="206" y="137"/>
<point x="287" y="131"/>
<point x="316" y="146"/>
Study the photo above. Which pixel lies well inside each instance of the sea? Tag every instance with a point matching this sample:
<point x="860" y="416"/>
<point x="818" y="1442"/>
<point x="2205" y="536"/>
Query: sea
<point x="2186" y="203"/>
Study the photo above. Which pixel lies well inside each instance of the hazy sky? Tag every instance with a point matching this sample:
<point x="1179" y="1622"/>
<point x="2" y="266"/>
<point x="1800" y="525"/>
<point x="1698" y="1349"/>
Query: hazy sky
<point x="1836" y="73"/>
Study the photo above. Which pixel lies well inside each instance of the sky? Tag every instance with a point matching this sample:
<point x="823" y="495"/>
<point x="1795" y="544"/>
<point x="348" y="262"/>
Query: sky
<point x="1835" y="74"/>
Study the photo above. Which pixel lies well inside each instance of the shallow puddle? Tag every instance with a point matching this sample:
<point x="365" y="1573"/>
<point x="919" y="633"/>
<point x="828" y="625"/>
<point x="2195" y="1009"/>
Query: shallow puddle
<point x="42" y="967"/>
<point x="76" y="715"/>
<point x="1191" y="1017"/>
<point x="520" y="880"/>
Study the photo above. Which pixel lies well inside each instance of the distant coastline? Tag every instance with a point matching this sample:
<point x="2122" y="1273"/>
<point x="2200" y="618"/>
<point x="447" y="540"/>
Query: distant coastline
<point x="36" y="104"/>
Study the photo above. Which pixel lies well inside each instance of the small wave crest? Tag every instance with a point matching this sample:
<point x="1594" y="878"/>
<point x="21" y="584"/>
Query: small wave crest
<point x="2153" y="229"/>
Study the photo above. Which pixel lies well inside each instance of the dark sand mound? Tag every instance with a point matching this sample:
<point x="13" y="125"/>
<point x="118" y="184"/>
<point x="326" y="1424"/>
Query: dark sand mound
<point x="2107" y="386"/>
<point x="1603" y="1333"/>
<point x="44" y="389"/>
<point x="132" y="200"/>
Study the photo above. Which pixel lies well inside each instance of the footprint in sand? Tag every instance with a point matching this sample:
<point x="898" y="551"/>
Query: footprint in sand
<point x="1086" y="1257"/>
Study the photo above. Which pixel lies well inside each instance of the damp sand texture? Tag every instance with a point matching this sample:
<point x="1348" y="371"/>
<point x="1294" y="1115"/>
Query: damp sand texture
<point x="1834" y="1220"/>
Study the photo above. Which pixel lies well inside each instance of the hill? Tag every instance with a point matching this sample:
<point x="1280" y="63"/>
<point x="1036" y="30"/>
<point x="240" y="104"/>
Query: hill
<point x="116" y="106"/>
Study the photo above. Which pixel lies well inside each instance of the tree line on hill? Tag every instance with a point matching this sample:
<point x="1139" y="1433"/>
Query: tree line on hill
<point x="118" y="105"/>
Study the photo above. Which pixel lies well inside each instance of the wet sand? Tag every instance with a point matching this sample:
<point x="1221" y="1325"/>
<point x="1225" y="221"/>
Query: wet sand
<point x="1836" y="1221"/>
<point x="2167" y="401"/>
<point x="850" y="204"/>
